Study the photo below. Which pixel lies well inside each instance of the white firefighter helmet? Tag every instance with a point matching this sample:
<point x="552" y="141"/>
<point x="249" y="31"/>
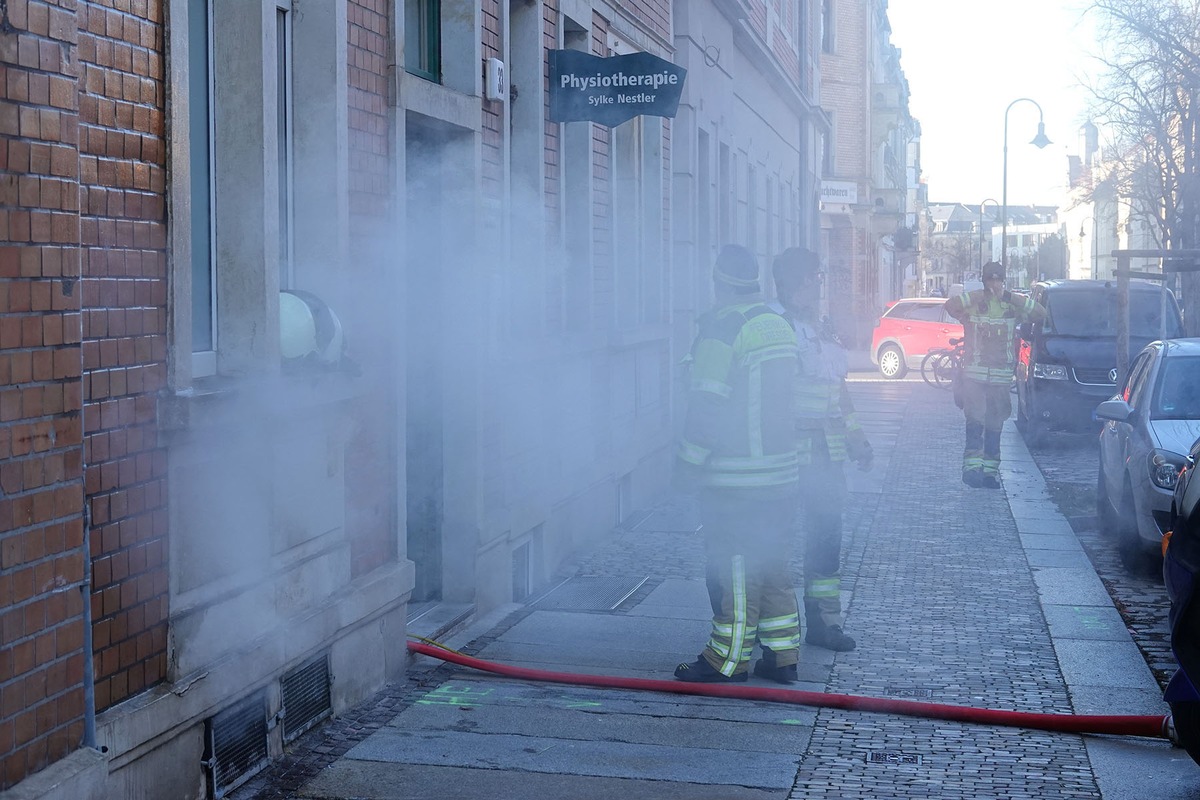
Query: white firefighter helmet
<point x="308" y="329"/>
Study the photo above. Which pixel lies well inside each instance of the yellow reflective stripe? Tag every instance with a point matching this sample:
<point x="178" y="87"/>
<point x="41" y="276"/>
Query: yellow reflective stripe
<point x="776" y="623"/>
<point x="712" y="387"/>
<point x="737" y="640"/>
<point x="823" y="587"/>
<point x="770" y="353"/>
<point x="754" y="409"/>
<point x="693" y="453"/>
<point x="972" y="462"/>
<point x="777" y="478"/>
<point x="763" y="462"/>
<point x="780" y="642"/>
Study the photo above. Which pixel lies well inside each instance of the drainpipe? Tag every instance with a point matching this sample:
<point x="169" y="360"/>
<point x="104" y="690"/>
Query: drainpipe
<point x="89" y="677"/>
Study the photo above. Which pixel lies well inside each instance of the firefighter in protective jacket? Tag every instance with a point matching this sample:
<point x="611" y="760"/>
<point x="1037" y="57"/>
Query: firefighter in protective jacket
<point x="739" y="448"/>
<point x="990" y="317"/>
<point x="828" y="436"/>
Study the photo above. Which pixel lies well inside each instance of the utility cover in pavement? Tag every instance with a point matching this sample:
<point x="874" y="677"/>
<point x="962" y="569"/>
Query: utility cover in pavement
<point x="590" y="594"/>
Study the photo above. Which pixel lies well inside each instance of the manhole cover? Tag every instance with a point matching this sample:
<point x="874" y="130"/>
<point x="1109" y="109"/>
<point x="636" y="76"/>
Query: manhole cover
<point x="908" y="691"/>
<point x="892" y="757"/>
<point x="589" y="594"/>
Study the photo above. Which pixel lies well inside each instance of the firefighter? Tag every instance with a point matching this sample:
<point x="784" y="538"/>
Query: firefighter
<point x="739" y="449"/>
<point x="828" y="436"/>
<point x="990" y="317"/>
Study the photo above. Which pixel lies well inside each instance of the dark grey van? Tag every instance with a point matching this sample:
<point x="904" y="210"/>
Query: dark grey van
<point x="1067" y="365"/>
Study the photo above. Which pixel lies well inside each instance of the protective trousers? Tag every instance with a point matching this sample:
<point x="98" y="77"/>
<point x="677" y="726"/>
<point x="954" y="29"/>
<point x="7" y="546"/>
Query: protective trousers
<point x="746" y="536"/>
<point x="823" y="497"/>
<point x="986" y="406"/>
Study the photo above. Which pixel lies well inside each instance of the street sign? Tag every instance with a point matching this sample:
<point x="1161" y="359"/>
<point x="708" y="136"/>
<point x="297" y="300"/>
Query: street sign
<point x="612" y="90"/>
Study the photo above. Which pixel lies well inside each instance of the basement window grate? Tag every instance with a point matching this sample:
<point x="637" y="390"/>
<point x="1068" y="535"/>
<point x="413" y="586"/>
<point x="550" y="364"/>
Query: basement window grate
<point x="236" y="744"/>
<point x="589" y="594"/>
<point x="306" y="696"/>
<point x="892" y="757"/>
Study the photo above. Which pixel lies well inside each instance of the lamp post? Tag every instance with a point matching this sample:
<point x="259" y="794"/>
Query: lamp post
<point x="1039" y="141"/>
<point x="982" y="203"/>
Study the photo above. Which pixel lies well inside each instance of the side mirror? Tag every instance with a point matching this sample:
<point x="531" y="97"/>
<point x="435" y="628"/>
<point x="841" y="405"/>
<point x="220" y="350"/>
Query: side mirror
<point x="1115" y="409"/>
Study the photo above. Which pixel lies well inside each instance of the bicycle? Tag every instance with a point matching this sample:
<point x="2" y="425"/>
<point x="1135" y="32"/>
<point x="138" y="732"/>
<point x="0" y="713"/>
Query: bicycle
<point x="940" y="367"/>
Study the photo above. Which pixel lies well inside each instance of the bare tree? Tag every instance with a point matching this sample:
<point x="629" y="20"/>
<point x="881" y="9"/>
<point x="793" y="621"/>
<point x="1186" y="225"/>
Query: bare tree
<point x="1148" y="100"/>
<point x="953" y="254"/>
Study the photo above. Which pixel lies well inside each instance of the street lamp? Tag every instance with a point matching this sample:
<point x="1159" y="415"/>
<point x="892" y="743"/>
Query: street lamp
<point x="1039" y="141"/>
<point x="982" y="203"/>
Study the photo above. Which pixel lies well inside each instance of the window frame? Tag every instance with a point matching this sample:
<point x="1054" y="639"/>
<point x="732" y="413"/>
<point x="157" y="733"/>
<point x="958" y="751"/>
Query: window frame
<point x="204" y="361"/>
<point x="428" y="62"/>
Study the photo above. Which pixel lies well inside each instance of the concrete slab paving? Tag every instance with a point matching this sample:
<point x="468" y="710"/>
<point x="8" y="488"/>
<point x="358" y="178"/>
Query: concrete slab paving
<point x="388" y="781"/>
<point x="1063" y="585"/>
<point x="1079" y="621"/>
<point x="1119" y="665"/>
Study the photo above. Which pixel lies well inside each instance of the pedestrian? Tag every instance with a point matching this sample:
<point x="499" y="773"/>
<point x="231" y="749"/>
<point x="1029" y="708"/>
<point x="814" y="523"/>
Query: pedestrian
<point x="990" y="317"/>
<point x="828" y="435"/>
<point x="739" y="449"/>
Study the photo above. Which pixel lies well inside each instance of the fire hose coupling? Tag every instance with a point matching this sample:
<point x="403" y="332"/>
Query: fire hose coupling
<point x="1151" y="726"/>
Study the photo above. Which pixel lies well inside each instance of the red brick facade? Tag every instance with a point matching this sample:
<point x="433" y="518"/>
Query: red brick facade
<point x="82" y="356"/>
<point x="41" y="434"/>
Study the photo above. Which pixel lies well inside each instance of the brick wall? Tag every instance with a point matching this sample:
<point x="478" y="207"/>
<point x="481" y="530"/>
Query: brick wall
<point x="41" y="438"/>
<point x="122" y="182"/>
<point x="370" y="475"/>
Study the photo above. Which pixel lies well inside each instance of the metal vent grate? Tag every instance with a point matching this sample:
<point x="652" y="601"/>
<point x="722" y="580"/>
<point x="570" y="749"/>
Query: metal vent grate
<point x="892" y="757"/>
<point x="908" y="691"/>
<point x="306" y="697"/>
<point x="237" y="744"/>
<point x="590" y="594"/>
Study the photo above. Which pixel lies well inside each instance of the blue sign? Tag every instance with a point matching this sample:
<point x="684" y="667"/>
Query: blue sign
<point x="612" y="90"/>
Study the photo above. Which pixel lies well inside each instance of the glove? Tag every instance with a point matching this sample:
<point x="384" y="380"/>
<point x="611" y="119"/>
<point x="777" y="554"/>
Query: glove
<point x="1007" y="296"/>
<point x="859" y="450"/>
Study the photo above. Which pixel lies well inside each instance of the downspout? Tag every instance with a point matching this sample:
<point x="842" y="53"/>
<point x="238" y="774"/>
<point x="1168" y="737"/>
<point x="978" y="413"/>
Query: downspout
<point x="89" y="677"/>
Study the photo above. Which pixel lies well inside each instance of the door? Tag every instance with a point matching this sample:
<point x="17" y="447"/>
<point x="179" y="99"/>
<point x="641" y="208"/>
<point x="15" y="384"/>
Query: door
<point x="1115" y="436"/>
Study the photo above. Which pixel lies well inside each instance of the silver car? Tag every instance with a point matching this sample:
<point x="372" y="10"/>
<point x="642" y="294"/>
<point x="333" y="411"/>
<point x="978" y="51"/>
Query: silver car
<point x="1149" y="428"/>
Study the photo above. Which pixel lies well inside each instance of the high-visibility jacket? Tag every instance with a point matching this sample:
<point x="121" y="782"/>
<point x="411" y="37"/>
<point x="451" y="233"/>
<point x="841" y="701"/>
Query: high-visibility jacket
<point x="821" y="400"/>
<point x="739" y="432"/>
<point x="989" y="326"/>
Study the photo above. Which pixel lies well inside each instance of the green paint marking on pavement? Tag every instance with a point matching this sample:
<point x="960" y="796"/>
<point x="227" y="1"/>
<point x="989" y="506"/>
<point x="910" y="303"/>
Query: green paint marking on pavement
<point x="451" y="695"/>
<point x="791" y="722"/>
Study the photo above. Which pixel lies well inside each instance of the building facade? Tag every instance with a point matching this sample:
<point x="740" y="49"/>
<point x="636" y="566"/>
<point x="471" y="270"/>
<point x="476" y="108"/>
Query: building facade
<point x="869" y="230"/>
<point x="313" y="326"/>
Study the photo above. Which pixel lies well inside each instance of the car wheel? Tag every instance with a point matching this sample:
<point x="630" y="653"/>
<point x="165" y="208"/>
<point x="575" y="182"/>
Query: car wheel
<point x="1106" y="518"/>
<point x="1185" y="716"/>
<point x="1033" y="430"/>
<point x="891" y="362"/>
<point x="1137" y="557"/>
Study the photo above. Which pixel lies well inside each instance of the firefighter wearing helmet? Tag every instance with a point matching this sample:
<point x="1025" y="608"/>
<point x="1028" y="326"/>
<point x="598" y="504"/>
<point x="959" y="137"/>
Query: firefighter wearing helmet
<point x="829" y="436"/>
<point x="990" y="317"/>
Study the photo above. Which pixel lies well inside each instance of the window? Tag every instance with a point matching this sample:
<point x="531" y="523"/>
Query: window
<point x="826" y="26"/>
<point x="423" y="38"/>
<point x="200" y="163"/>
<point x="283" y="132"/>
<point x="243" y="176"/>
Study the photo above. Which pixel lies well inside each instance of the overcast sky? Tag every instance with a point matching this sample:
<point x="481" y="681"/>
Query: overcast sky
<point x="966" y="61"/>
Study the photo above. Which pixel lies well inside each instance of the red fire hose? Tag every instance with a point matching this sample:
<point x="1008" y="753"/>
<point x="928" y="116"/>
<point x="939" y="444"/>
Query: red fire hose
<point x="1149" y="726"/>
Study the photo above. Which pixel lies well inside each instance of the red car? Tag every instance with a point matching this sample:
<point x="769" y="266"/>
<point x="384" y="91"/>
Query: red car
<point x="909" y="329"/>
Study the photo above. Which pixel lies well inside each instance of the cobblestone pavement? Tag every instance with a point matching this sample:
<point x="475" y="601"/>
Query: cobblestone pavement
<point x="1068" y="463"/>
<point x="940" y="598"/>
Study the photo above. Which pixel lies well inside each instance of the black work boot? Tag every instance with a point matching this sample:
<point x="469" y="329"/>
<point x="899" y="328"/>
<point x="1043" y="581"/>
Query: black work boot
<point x="990" y="481"/>
<point x="700" y="671"/>
<point x="830" y="637"/>
<point x="767" y="668"/>
<point x="973" y="478"/>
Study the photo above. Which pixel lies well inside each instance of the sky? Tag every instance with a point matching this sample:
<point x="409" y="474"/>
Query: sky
<point x="966" y="61"/>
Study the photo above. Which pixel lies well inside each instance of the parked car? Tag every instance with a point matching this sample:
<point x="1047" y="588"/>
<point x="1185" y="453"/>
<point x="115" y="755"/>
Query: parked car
<point x="1149" y="428"/>
<point x="907" y="330"/>
<point x="1181" y="563"/>
<point x="1068" y="363"/>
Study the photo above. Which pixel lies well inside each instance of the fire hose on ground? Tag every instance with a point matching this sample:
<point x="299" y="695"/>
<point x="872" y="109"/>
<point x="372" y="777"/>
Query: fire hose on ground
<point x="1156" y="727"/>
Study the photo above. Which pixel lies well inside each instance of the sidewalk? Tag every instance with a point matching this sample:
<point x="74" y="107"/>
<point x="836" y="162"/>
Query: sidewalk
<point x="955" y="595"/>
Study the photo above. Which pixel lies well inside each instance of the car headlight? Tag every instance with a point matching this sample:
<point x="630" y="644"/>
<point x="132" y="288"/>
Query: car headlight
<point x="1053" y="372"/>
<point x="1164" y="468"/>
